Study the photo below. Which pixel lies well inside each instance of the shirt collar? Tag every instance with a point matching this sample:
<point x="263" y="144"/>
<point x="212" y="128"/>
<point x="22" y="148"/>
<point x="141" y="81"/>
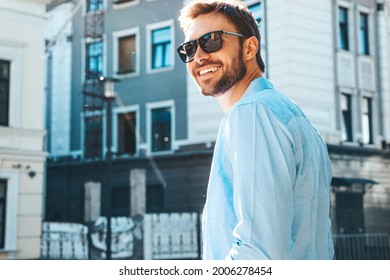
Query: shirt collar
<point x="255" y="86"/>
<point x="258" y="85"/>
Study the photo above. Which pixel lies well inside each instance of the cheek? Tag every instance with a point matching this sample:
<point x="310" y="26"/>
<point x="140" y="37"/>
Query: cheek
<point x="191" y="69"/>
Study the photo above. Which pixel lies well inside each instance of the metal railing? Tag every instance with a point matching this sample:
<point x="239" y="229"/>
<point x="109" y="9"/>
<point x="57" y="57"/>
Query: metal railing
<point x="367" y="246"/>
<point x="63" y="241"/>
<point x="153" y="236"/>
<point x="173" y="236"/>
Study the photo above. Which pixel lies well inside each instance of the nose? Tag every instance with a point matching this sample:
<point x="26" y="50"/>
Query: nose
<point x="200" y="55"/>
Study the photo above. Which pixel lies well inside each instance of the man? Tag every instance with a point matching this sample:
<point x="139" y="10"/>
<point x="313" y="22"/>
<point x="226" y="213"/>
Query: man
<point x="268" y="193"/>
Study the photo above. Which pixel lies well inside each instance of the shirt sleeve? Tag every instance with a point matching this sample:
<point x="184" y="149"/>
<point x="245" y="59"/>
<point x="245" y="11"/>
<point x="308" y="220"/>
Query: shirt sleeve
<point x="261" y="153"/>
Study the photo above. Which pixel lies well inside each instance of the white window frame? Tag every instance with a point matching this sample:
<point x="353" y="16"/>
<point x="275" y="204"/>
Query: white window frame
<point x="351" y="25"/>
<point x="11" y="219"/>
<point x="149" y="29"/>
<point x="84" y="6"/>
<point x="253" y="2"/>
<point x="155" y="105"/>
<point x="126" y="109"/>
<point x="86" y="41"/>
<point x="115" y="37"/>
<point x="119" y="6"/>
<point x="367" y="94"/>
<point x="371" y="30"/>
<point x="262" y="9"/>
<point x="355" y="113"/>
<point x="13" y="52"/>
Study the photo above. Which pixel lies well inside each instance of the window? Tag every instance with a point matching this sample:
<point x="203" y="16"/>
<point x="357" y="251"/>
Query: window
<point x="256" y="11"/>
<point x="367" y="130"/>
<point x="126" y="57"/>
<point x="364" y="36"/>
<point x="127" y="133"/>
<point x="154" y="198"/>
<point x="161" y="129"/>
<point x="93" y="134"/>
<point x="4" y="92"/>
<point x="346" y="109"/>
<point x="123" y="4"/>
<point x="94" y="61"/>
<point x="123" y="1"/>
<point x="94" y="5"/>
<point x="343" y="29"/>
<point x="120" y="201"/>
<point x="161" y="48"/>
<point x="349" y="212"/>
<point x="3" y="192"/>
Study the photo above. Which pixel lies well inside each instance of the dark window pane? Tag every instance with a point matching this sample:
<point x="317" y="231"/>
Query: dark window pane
<point x="127" y="52"/>
<point x="256" y="11"/>
<point x="343" y="28"/>
<point x="93" y="134"/>
<point x="94" y="5"/>
<point x="364" y="38"/>
<point x="3" y="197"/>
<point x="94" y="67"/>
<point x="122" y="1"/>
<point x="154" y="198"/>
<point x="120" y="201"/>
<point x="346" y="109"/>
<point x="349" y="212"/>
<point x="367" y="129"/>
<point x="127" y="133"/>
<point x="4" y="92"/>
<point x="4" y="69"/>
<point x="161" y="129"/>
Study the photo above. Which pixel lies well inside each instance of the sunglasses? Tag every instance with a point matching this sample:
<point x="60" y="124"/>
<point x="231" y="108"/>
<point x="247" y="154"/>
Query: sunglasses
<point x="209" y="43"/>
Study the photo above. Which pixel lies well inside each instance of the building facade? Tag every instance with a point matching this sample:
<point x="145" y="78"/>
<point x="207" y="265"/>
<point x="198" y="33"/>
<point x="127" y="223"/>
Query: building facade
<point x="331" y="57"/>
<point x="22" y="128"/>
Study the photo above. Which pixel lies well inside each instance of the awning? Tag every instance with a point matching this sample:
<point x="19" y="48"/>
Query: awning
<point x="347" y="182"/>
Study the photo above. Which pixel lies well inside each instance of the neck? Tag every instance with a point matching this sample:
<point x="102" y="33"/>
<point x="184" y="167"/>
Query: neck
<point x="234" y="94"/>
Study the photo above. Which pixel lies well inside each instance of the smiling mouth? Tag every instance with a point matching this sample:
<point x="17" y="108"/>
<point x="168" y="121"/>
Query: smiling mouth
<point x="208" y="70"/>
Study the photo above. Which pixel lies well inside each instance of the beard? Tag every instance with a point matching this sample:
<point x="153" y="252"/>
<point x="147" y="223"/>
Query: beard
<point x="231" y="76"/>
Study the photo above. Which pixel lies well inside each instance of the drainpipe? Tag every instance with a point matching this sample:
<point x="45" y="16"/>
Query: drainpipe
<point x="266" y="39"/>
<point x="382" y="49"/>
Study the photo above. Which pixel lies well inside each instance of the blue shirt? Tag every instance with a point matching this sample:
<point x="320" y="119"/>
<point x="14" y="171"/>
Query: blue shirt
<point x="268" y="193"/>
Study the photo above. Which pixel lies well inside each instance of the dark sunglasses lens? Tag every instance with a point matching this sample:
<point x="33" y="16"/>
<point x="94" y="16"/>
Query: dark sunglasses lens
<point x="190" y="50"/>
<point x="182" y="54"/>
<point x="187" y="51"/>
<point x="211" y="42"/>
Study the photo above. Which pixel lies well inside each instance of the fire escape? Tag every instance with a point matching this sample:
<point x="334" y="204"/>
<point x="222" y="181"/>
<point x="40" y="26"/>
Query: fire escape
<point x="93" y="88"/>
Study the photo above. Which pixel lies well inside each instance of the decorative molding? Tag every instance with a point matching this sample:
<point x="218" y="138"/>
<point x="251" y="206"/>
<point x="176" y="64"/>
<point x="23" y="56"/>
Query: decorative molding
<point x="24" y="155"/>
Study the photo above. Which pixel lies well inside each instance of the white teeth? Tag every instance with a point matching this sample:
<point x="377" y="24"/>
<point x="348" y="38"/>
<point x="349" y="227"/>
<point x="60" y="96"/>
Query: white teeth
<point x="208" y="70"/>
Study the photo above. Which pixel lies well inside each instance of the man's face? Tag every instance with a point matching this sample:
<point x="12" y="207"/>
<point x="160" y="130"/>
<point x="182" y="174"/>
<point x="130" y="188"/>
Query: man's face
<point x="217" y="72"/>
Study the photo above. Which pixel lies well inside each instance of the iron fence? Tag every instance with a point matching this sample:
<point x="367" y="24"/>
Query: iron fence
<point x="368" y="246"/>
<point x="64" y="241"/>
<point x="171" y="236"/>
<point x="153" y="236"/>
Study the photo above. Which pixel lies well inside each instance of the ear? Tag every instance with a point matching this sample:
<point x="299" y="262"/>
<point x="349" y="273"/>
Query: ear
<point x="251" y="46"/>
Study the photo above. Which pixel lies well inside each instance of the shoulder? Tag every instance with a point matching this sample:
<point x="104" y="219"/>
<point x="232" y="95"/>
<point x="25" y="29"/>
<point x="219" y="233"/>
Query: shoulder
<point x="269" y="102"/>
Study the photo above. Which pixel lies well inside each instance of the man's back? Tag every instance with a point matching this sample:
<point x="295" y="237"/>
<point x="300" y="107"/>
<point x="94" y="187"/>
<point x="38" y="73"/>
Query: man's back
<point x="270" y="176"/>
